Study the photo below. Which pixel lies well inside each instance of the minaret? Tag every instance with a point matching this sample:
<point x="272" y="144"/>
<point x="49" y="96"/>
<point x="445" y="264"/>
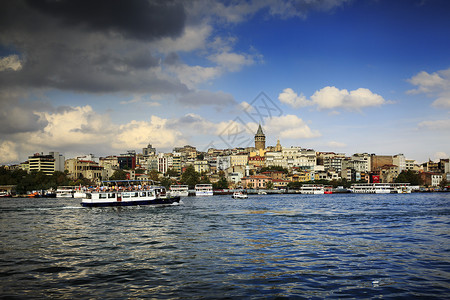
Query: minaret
<point x="260" y="139"/>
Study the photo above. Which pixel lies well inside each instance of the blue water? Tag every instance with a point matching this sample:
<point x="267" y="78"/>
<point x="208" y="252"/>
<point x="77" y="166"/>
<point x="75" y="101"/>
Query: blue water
<point x="280" y="246"/>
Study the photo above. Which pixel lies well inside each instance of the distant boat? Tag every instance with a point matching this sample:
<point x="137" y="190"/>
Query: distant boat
<point x="64" y="192"/>
<point x="179" y="190"/>
<point x="4" y="194"/>
<point x="203" y="190"/>
<point x="312" y="189"/>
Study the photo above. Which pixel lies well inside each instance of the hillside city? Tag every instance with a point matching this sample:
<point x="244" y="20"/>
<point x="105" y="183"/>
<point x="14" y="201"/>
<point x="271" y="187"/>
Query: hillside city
<point x="258" y="167"/>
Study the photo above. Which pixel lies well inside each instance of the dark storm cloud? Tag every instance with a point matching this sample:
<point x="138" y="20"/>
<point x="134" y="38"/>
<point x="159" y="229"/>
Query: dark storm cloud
<point x="89" y="46"/>
<point x="133" y="18"/>
<point x="203" y="97"/>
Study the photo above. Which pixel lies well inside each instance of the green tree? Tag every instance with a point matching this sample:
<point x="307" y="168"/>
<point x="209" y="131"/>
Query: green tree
<point x="119" y="175"/>
<point x="190" y="177"/>
<point x="274" y="168"/>
<point x="221" y="184"/>
<point x="269" y="185"/>
<point x="153" y="175"/>
<point x="172" y="173"/>
<point x="409" y="177"/>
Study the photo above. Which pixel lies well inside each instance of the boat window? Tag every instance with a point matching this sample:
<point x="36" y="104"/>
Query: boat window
<point x="126" y="195"/>
<point x="111" y="195"/>
<point x="134" y="194"/>
<point x="143" y="194"/>
<point x="102" y="196"/>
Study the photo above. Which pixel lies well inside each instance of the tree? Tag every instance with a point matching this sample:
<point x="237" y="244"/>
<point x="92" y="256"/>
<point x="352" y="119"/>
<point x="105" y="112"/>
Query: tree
<point x="190" y="177"/>
<point x="172" y="173"/>
<point x="269" y="185"/>
<point x="153" y="175"/>
<point x="409" y="177"/>
<point x="119" y="175"/>
<point x="221" y="184"/>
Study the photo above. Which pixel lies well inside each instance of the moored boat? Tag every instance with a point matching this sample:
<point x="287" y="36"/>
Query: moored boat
<point x="312" y="189"/>
<point x="179" y="190"/>
<point x="203" y="190"/>
<point x="64" y="192"/>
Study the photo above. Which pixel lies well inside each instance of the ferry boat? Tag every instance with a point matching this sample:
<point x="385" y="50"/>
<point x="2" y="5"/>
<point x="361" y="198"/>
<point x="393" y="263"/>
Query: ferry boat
<point x="380" y="188"/>
<point x="80" y="192"/>
<point x="129" y="196"/>
<point x="203" y="190"/>
<point x="64" y="192"/>
<point x="239" y="195"/>
<point x="328" y="190"/>
<point x="179" y="190"/>
<point x="312" y="189"/>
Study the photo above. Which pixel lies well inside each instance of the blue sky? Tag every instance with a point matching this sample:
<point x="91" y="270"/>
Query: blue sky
<point x="337" y="75"/>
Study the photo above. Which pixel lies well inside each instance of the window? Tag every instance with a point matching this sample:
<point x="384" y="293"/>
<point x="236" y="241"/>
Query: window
<point x="102" y="196"/>
<point x="111" y="195"/>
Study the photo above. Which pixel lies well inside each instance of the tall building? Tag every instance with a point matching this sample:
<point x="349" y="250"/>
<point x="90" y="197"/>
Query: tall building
<point x="46" y="163"/>
<point x="260" y="139"/>
<point x="149" y="150"/>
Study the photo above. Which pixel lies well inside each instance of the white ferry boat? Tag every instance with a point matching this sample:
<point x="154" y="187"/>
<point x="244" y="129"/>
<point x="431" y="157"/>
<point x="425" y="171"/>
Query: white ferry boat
<point x="203" y="190"/>
<point x="80" y="192"/>
<point x="64" y="192"/>
<point x="380" y="188"/>
<point x="130" y="196"/>
<point x="312" y="189"/>
<point x="179" y="190"/>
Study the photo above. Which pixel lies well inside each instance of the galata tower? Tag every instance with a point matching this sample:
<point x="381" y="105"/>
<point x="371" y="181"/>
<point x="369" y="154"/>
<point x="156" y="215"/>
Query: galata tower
<point x="260" y="139"/>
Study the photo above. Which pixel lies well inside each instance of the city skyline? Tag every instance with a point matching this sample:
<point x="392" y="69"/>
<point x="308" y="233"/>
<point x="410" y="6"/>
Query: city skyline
<point x="337" y="75"/>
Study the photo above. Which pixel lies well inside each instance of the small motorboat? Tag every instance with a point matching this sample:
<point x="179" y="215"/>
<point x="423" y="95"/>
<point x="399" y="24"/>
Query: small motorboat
<point x="239" y="195"/>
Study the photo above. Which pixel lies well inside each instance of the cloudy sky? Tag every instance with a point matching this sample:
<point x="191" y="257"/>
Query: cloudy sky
<point x="106" y="76"/>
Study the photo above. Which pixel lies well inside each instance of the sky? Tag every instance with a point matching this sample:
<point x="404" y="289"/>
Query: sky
<point x="106" y="76"/>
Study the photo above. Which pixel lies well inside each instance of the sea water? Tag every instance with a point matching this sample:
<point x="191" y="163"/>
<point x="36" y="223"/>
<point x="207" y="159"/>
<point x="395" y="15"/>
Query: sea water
<point x="266" y="246"/>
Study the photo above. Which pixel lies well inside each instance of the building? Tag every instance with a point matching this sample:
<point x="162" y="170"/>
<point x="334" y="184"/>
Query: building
<point x="280" y="183"/>
<point x="201" y="166"/>
<point x="255" y="181"/>
<point x="238" y="160"/>
<point x="84" y="169"/>
<point x="149" y="150"/>
<point x="47" y="164"/>
<point x="128" y="160"/>
<point x="378" y="161"/>
<point x="260" y="139"/>
<point x="431" y="179"/>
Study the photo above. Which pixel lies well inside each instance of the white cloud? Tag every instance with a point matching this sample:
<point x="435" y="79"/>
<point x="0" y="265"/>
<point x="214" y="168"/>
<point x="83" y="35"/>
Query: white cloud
<point x="289" y="127"/>
<point x="191" y="76"/>
<point x="289" y="97"/>
<point x="136" y="134"/>
<point x="436" y="85"/>
<point x="435" y="125"/>
<point x="232" y="61"/>
<point x="11" y="62"/>
<point x="439" y="155"/>
<point x="331" y="97"/>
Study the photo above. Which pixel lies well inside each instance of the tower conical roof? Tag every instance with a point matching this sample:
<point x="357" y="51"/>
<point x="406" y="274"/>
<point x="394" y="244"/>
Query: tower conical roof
<point x="259" y="132"/>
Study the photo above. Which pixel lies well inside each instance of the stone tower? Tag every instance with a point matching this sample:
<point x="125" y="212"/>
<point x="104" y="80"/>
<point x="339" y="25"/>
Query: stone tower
<point x="260" y="139"/>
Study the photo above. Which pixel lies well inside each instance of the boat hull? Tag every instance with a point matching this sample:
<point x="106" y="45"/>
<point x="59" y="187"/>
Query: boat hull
<point x="159" y="201"/>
